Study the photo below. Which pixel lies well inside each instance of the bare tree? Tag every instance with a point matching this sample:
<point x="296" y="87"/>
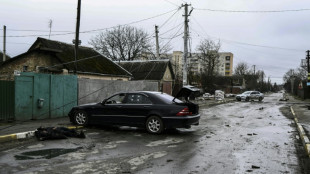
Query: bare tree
<point x="298" y="73"/>
<point x="261" y="75"/>
<point x="208" y="52"/>
<point x="302" y="73"/>
<point x="122" y="43"/>
<point x="241" y="68"/>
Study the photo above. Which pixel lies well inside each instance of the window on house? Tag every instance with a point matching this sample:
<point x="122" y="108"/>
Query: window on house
<point x="25" y="68"/>
<point x="227" y="57"/>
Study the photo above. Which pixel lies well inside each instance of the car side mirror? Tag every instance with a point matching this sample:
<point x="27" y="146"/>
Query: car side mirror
<point x="104" y="101"/>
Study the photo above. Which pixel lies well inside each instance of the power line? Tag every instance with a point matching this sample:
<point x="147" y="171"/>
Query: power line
<point x="254" y="11"/>
<point x="248" y="44"/>
<point x="172" y="3"/>
<point x="95" y="30"/>
<point x="263" y="46"/>
<point x="169" y="18"/>
<point x="130" y="22"/>
<point x="182" y="23"/>
<point x="174" y="36"/>
<point x="36" y="30"/>
<point x="19" y="43"/>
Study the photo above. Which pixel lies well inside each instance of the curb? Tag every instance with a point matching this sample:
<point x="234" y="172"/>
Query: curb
<point x="29" y="134"/>
<point x="302" y="134"/>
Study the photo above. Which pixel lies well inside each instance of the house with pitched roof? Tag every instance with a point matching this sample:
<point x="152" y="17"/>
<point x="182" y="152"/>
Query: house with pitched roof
<point x="159" y="71"/>
<point x="48" y="56"/>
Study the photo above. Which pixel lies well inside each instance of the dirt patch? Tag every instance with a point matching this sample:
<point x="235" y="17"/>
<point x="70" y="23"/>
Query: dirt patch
<point x="304" y="160"/>
<point x="286" y="111"/>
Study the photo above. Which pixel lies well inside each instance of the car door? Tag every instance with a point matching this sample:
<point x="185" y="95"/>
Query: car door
<point x="111" y="110"/>
<point x="137" y="107"/>
<point x="255" y="95"/>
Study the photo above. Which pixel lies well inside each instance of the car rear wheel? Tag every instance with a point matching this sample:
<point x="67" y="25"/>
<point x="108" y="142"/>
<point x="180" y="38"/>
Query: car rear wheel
<point x="260" y="98"/>
<point x="80" y="118"/>
<point x="154" y="125"/>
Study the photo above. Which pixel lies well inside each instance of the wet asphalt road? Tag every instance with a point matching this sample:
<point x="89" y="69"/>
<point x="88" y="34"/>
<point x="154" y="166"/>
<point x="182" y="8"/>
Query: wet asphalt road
<point x="237" y="137"/>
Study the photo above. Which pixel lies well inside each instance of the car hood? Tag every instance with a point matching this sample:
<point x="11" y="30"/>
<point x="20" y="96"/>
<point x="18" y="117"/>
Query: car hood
<point x="186" y="91"/>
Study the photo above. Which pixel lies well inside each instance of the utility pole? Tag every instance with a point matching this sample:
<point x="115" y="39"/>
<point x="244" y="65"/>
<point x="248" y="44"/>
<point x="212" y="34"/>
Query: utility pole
<point x="77" y="32"/>
<point x="185" y="81"/>
<point x="50" y="24"/>
<point x="157" y="44"/>
<point x="254" y="68"/>
<point x="308" y="68"/>
<point x="4" y="43"/>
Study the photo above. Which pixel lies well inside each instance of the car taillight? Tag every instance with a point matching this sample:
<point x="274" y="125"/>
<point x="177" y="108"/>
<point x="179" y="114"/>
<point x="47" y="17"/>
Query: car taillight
<point x="184" y="112"/>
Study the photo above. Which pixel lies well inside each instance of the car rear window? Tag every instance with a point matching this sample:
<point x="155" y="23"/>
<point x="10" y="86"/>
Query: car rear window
<point x="168" y="98"/>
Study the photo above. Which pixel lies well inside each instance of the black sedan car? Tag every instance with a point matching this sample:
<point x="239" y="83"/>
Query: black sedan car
<point x="154" y="111"/>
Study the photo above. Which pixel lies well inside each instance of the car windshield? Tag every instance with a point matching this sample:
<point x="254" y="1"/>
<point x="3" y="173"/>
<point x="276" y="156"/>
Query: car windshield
<point x="168" y="98"/>
<point x="247" y="92"/>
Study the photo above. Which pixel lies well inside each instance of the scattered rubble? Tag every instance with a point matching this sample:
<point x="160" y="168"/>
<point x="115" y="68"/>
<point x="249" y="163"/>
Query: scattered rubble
<point x="255" y="167"/>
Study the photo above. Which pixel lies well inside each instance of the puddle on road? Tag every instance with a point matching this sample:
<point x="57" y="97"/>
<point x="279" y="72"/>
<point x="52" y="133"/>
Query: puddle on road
<point x="44" y="154"/>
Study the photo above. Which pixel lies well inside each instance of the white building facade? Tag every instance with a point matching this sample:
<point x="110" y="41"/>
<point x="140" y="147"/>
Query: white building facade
<point x="195" y="65"/>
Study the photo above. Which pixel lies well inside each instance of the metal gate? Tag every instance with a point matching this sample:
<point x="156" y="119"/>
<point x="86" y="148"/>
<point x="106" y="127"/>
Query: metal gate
<point x="7" y="100"/>
<point x="40" y="96"/>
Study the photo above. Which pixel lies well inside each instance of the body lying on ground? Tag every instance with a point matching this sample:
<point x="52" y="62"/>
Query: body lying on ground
<point x="49" y="133"/>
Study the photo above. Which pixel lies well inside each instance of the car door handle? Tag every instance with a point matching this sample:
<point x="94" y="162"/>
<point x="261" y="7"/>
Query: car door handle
<point x="119" y="106"/>
<point x="146" y="106"/>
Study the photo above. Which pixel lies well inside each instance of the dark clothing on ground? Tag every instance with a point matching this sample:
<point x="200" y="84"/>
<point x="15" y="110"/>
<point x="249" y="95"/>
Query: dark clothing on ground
<point x="49" y="133"/>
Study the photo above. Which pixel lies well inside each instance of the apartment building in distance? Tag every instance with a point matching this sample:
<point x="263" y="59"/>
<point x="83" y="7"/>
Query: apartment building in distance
<point x="226" y="64"/>
<point x="195" y="65"/>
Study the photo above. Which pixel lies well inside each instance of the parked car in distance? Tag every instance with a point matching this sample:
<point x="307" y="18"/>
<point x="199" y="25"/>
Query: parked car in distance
<point x="250" y="95"/>
<point x="207" y="96"/>
<point x="154" y="111"/>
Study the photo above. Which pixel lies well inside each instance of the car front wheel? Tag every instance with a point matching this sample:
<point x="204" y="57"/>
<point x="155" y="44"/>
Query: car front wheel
<point x="81" y="118"/>
<point x="260" y="98"/>
<point x="154" y="125"/>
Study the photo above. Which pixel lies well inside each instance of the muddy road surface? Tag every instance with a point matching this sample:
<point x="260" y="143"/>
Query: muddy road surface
<point x="236" y="137"/>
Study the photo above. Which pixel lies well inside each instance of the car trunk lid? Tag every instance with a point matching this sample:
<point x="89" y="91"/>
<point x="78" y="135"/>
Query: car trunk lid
<point x="185" y="93"/>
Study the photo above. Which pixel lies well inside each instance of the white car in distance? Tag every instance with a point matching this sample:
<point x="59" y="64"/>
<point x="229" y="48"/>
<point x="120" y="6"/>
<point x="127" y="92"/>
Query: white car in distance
<point x="250" y="95"/>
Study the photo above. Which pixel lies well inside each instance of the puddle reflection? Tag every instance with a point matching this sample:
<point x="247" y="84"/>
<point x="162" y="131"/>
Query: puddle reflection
<point x="44" y="154"/>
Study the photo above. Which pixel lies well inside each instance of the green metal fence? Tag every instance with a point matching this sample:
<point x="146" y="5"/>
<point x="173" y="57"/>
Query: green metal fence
<point x="6" y="100"/>
<point x="37" y="96"/>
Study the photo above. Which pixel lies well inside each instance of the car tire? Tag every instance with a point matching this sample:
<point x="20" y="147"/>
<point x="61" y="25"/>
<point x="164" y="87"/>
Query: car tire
<point x="154" y="125"/>
<point x="260" y="99"/>
<point x="80" y="118"/>
<point x="247" y="99"/>
<point x="238" y="99"/>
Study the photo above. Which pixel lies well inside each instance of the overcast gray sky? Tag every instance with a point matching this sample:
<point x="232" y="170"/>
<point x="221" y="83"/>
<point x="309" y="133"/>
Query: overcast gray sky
<point x="273" y="41"/>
